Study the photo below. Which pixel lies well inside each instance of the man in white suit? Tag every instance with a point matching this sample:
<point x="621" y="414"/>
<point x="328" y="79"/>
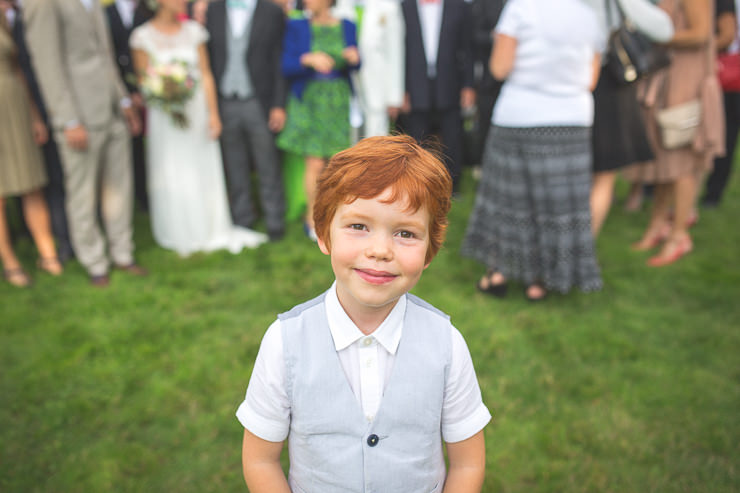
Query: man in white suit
<point x="380" y="81"/>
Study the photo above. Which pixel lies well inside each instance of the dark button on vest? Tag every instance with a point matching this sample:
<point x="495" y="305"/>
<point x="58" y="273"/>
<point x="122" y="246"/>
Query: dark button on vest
<point x="373" y="440"/>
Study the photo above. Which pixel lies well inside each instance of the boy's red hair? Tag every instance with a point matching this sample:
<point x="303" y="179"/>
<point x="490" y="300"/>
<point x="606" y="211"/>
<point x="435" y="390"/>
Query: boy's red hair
<point x="374" y="164"/>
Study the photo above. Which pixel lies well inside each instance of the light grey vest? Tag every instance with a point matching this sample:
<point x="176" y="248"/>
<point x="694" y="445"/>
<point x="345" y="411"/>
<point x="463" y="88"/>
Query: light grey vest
<point x="235" y="79"/>
<point x="332" y="446"/>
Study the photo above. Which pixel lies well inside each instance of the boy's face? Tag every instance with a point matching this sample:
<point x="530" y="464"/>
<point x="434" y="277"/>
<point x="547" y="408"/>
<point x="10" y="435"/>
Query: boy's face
<point x="377" y="253"/>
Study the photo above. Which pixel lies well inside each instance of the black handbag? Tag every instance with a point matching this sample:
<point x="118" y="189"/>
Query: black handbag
<point x="631" y="55"/>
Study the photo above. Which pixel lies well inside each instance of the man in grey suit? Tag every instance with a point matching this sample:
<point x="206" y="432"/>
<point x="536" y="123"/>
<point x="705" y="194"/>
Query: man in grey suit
<point x="89" y="110"/>
<point x="245" y="47"/>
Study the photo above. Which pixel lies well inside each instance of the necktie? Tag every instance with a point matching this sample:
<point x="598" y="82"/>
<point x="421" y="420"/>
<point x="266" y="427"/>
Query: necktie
<point x="236" y="4"/>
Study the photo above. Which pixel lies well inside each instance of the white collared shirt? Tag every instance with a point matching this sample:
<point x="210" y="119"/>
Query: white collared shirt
<point x="88" y="4"/>
<point x="367" y="362"/>
<point x="126" y="9"/>
<point x="239" y="18"/>
<point x="430" y="18"/>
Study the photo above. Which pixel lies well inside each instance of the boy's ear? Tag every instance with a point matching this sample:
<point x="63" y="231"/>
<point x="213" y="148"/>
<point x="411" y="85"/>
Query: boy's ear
<point x="322" y="246"/>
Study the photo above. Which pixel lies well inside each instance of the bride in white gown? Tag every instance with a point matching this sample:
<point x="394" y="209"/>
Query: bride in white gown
<point x="187" y="190"/>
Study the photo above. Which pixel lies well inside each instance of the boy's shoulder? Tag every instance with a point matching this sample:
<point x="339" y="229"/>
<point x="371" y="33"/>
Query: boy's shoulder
<point x="299" y="309"/>
<point x="418" y="302"/>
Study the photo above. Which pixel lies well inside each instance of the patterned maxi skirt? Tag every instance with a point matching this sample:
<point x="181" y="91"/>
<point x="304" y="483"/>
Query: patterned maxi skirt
<point x="531" y="220"/>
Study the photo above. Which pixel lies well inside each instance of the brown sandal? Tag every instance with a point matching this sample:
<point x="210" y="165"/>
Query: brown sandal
<point x="17" y="277"/>
<point x="50" y="265"/>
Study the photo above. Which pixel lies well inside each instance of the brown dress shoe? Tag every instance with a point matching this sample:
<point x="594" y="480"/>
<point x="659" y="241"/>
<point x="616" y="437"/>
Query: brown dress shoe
<point x="134" y="269"/>
<point x="101" y="281"/>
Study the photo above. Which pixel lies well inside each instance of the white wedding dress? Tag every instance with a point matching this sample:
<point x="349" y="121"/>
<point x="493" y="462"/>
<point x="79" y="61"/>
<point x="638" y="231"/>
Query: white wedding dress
<point x="188" y="204"/>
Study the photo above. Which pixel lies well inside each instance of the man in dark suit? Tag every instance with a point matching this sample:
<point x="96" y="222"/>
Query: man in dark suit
<point x="245" y="48"/>
<point x="123" y="17"/>
<point x="54" y="191"/>
<point x="439" y="73"/>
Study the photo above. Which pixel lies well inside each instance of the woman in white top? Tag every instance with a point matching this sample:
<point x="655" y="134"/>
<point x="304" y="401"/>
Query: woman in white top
<point x="189" y="208"/>
<point x="531" y="220"/>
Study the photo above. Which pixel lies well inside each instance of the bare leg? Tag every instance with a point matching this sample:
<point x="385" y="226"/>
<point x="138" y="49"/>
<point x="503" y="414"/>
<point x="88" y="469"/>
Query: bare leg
<point x="602" y="192"/>
<point x="314" y="165"/>
<point x="634" y="198"/>
<point x="36" y="213"/>
<point x="679" y="243"/>
<point x="657" y="230"/>
<point x="13" y="271"/>
<point x="10" y="261"/>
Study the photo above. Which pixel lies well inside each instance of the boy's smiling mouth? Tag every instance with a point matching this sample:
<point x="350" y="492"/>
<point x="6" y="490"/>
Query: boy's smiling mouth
<point x="375" y="276"/>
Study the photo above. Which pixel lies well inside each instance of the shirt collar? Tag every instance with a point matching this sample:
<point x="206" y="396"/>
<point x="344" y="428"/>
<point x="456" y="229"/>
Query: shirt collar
<point x="344" y="332"/>
<point x="247" y="5"/>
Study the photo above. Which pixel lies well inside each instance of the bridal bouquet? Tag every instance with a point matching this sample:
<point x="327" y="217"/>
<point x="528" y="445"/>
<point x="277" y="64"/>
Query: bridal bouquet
<point x="169" y="86"/>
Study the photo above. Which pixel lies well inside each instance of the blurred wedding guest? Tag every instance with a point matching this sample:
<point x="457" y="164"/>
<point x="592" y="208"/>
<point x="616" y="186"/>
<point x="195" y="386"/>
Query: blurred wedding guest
<point x="189" y="208"/>
<point x="197" y="10"/>
<point x="380" y="87"/>
<point x="485" y="17"/>
<point x="727" y="41"/>
<point x="89" y="109"/>
<point x="318" y="54"/>
<point x="245" y="49"/>
<point x="531" y="219"/>
<point x="439" y="74"/>
<point x="619" y="135"/>
<point x="54" y="190"/>
<point x="123" y="17"/>
<point x="288" y="6"/>
<point x="690" y="77"/>
<point x="21" y="168"/>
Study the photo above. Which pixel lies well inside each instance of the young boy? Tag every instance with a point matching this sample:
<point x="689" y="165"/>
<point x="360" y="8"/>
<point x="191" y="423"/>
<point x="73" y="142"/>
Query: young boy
<point x="366" y="380"/>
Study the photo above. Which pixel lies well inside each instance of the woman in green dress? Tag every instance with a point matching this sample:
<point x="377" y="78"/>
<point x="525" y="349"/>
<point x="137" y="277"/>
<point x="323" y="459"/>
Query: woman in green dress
<point x="318" y="55"/>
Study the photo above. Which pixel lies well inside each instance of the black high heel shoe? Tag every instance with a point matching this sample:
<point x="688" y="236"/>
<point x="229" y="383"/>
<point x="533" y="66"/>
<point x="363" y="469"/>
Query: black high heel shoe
<point x="497" y="290"/>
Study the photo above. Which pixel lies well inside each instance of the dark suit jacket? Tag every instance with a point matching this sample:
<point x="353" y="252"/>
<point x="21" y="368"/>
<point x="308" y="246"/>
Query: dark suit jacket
<point x="485" y="18"/>
<point x="263" y="55"/>
<point x="120" y="34"/>
<point x="454" y="60"/>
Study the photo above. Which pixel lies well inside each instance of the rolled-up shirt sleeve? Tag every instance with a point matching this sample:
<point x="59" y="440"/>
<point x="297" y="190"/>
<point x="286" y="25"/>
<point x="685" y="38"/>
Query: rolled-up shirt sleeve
<point x="463" y="412"/>
<point x="265" y="411"/>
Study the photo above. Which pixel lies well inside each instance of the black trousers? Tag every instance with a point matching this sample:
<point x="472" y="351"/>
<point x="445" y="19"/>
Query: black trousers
<point x="140" y="183"/>
<point x="447" y="124"/>
<point x="717" y="181"/>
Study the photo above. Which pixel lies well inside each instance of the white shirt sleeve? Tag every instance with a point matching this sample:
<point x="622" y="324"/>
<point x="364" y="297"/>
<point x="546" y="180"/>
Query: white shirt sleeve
<point x="513" y="18"/>
<point x="199" y="33"/>
<point x="650" y="20"/>
<point x="265" y="411"/>
<point x="137" y="40"/>
<point x="463" y="411"/>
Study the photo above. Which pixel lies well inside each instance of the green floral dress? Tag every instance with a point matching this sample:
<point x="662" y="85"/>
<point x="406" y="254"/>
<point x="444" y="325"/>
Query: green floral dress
<point x="318" y="123"/>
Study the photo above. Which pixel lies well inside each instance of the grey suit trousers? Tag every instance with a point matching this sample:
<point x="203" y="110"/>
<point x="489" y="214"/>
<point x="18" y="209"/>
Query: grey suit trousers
<point x="100" y="175"/>
<point x="246" y="140"/>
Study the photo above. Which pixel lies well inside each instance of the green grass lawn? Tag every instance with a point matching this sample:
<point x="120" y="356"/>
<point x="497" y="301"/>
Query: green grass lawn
<point x="134" y="388"/>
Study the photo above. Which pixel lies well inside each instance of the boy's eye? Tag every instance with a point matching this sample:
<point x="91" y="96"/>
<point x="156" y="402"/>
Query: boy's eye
<point x="357" y="227"/>
<point x="406" y="234"/>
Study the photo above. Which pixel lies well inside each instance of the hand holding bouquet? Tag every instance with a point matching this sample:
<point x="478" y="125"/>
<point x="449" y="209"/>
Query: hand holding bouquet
<point x="169" y="86"/>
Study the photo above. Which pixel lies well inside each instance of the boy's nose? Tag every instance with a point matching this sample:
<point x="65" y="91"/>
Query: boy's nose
<point x="380" y="247"/>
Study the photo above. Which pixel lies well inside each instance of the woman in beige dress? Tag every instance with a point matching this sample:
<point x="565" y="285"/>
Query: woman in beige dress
<point x="21" y="168"/>
<point x="691" y="76"/>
